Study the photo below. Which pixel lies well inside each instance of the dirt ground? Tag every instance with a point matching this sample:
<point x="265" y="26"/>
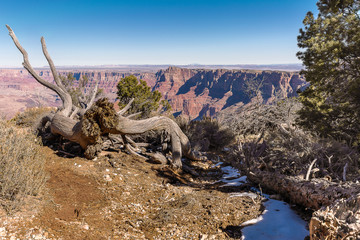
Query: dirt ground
<point x="118" y="196"/>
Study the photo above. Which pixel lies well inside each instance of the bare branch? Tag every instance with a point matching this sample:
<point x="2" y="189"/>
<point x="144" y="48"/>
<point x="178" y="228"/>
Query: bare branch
<point x="75" y="111"/>
<point x="133" y="144"/>
<point x="329" y="159"/>
<point x="133" y="152"/>
<point x="116" y="139"/>
<point x="344" y="172"/>
<point x="82" y="103"/>
<point x="93" y="96"/>
<point x="65" y="97"/>
<point x="127" y="107"/>
<point x="309" y="170"/>
<point x="52" y="65"/>
<point x="130" y="148"/>
<point x="143" y="144"/>
<point x="86" y="105"/>
<point x="134" y="115"/>
<point x="157" y="157"/>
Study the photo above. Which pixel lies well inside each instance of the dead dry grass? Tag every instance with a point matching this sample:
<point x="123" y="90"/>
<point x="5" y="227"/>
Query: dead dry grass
<point x="31" y="116"/>
<point x="21" y="166"/>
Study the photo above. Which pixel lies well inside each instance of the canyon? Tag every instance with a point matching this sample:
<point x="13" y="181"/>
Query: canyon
<point x="192" y="93"/>
<point x="203" y="92"/>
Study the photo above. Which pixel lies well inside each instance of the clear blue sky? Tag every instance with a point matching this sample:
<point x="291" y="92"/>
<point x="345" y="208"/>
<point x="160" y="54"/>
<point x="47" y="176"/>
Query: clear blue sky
<point x="102" y="32"/>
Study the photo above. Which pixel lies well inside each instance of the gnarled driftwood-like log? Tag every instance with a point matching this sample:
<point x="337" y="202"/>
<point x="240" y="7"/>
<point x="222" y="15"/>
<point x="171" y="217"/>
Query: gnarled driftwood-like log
<point x="98" y="120"/>
<point x="312" y="194"/>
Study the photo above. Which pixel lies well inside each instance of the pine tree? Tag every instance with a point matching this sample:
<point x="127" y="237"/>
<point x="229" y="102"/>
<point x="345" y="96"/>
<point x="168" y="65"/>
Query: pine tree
<point x="331" y="56"/>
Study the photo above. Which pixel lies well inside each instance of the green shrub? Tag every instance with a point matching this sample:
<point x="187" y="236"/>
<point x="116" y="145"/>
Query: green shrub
<point x="21" y="166"/>
<point x="145" y="101"/>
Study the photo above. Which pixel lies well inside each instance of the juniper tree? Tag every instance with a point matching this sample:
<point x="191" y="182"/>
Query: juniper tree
<point x="145" y="100"/>
<point x="331" y="56"/>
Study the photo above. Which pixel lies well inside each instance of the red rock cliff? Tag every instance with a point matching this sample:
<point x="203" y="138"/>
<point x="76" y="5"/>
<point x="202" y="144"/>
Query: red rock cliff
<point x="191" y="92"/>
<point x="205" y="92"/>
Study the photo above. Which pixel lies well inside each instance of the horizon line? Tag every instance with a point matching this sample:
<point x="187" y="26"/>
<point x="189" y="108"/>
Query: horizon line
<point x="165" y="64"/>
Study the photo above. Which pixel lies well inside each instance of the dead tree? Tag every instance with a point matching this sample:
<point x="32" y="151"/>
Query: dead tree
<point x="99" y="120"/>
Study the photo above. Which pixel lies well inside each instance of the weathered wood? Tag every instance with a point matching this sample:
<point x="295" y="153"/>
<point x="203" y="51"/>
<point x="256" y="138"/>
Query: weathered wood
<point x="63" y="94"/>
<point x="179" y="141"/>
<point x="340" y="220"/>
<point x="309" y="170"/>
<point x="126" y="108"/>
<point x="158" y="158"/>
<point x="101" y="120"/>
<point x="312" y="194"/>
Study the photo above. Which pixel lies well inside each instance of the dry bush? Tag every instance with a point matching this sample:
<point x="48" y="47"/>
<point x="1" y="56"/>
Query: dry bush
<point x="206" y="134"/>
<point x="21" y="166"/>
<point x="270" y="140"/>
<point x="292" y="151"/>
<point x="31" y="116"/>
<point x="255" y="118"/>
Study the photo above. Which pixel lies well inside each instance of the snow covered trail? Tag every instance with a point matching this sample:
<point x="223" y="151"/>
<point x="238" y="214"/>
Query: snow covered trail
<point x="278" y="221"/>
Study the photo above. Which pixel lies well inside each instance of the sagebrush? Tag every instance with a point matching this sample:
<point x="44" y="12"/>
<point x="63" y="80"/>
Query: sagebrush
<point x="206" y="134"/>
<point x="21" y="166"/>
<point x="31" y="116"/>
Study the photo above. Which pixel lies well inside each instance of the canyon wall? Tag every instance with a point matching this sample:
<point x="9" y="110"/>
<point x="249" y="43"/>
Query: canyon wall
<point x="199" y="92"/>
<point x="191" y="92"/>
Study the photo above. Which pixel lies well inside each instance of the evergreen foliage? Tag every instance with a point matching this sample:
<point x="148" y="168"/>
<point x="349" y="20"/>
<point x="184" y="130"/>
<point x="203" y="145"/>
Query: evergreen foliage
<point x="331" y="56"/>
<point x="145" y="100"/>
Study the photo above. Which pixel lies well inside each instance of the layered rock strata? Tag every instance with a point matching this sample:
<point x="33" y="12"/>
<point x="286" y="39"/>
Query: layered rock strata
<point x="191" y="92"/>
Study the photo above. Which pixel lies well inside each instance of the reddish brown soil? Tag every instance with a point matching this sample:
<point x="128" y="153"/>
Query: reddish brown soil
<point x="121" y="197"/>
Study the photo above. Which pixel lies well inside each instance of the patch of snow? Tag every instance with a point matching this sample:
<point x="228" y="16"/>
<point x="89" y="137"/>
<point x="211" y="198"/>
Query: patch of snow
<point x="244" y="194"/>
<point x="232" y="177"/>
<point x="230" y="172"/>
<point x="279" y="222"/>
<point x="234" y="182"/>
<point x="253" y="221"/>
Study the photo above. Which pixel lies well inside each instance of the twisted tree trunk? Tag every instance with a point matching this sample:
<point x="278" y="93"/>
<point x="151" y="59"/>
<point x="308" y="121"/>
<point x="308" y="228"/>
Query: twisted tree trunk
<point x="99" y="120"/>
